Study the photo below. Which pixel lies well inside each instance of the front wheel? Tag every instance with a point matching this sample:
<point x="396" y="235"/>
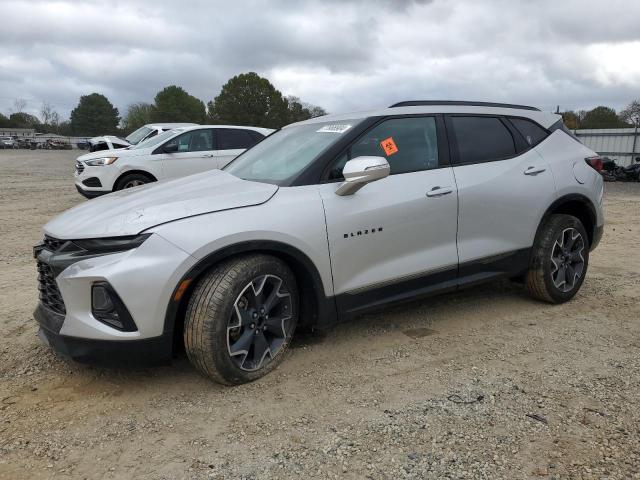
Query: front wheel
<point x="559" y="260"/>
<point x="132" y="180"/>
<point x="240" y="319"/>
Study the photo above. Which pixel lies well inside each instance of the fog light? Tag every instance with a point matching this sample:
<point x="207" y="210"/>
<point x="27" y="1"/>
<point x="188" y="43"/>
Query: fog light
<point x="107" y="307"/>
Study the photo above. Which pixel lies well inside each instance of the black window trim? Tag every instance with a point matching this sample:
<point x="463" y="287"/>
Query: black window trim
<point x="441" y="136"/>
<point x="515" y="134"/>
<point x="529" y="147"/>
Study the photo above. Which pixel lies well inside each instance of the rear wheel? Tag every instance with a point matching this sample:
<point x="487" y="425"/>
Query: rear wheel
<point x="241" y="318"/>
<point x="559" y="260"/>
<point x="132" y="180"/>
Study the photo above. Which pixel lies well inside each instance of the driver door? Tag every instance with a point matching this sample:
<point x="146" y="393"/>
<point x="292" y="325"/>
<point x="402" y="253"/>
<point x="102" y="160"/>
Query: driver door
<point x="195" y="151"/>
<point x="396" y="237"/>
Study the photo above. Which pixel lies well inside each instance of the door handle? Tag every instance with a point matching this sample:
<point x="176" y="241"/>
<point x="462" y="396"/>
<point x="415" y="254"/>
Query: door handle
<point x="439" y="191"/>
<point x="534" y="170"/>
<point x="208" y="155"/>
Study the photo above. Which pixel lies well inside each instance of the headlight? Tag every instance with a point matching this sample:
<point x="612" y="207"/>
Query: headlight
<point x="113" y="244"/>
<point x="98" y="162"/>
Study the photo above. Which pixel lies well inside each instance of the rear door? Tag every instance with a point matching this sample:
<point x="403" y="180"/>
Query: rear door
<point x="396" y="237"/>
<point x="504" y="186"/>
<point x="231" y="143"/>
<point x="196" y="152"/>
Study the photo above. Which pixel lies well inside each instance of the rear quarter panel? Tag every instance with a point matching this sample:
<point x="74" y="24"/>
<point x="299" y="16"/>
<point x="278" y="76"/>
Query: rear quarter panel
<point x="572" y="175"/>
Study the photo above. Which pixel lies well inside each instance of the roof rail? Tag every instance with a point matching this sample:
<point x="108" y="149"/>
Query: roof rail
<point x="417" y="103"/>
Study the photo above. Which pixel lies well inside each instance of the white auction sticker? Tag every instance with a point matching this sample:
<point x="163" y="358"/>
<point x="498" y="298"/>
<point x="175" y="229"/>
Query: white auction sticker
<point x="334" y="128"/>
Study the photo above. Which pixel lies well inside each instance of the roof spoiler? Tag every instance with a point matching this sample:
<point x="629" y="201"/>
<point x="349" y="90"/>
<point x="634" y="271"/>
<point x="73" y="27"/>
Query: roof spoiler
<point x="418" y="103"/>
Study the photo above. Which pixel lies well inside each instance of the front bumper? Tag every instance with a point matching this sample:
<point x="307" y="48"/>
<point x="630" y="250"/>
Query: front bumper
<point x="144" y="278"/>
<point x="90" y="193"/>
<point x="111" y="353"/>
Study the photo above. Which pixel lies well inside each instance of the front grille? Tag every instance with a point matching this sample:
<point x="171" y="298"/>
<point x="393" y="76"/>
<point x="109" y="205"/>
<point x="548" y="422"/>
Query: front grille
<point x="79" y="167"/>
<point x="49" y="293"/>
<point x="52" y="244"/>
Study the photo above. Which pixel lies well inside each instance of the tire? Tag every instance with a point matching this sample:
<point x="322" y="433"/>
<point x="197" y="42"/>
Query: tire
<point x="557" y="280"/>
<point x="132" y="180"/>
<point x="224" y="332"/>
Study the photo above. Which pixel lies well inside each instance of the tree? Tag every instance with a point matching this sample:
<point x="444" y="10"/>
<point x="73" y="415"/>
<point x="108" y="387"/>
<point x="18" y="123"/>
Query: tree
<point x="601" y="117"/>
<point x="631" y="114"/>
<point x="4" y="121"/>
<point x="23" y="120"/>
<point x="94" y="115"/>
<point x="19" y="104"/>
<point x="299" y="111"/>
<point x="49" y="115"/>
<point x="248" y="99"/>
<point x="571" y="119"/>
<point x="138" y="114"/>
<point x="174" y="104"/>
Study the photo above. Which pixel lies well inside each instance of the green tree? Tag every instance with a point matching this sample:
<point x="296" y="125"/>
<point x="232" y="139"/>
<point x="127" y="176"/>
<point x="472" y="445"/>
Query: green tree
<point x="138" y="114"/>
<point x="4" y="121"/>
<point x="248" y="99"/>
<point x="174" y="104"/>
<point x="94" y="115"/>
<point x="601" y="117"/>
<point x="299" y="111"/>
<point x="23" y="120"/>
<point x="631" y="113"/>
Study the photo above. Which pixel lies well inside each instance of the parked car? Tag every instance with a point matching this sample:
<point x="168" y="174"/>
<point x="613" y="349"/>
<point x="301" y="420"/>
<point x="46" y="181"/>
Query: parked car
<point x="106" y="142"/>
<point x="321" y="221"/>
<point x="112" y="142"/>
<point x="7" y="142"/>
<point x="174" y="153"/>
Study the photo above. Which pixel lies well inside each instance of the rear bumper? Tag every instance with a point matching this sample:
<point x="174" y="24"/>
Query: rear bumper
<point x="109" y="353"/>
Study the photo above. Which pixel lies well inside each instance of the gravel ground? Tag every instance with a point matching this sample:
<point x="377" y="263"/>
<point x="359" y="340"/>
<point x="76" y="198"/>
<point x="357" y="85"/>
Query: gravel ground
<point x="483" y="383"/>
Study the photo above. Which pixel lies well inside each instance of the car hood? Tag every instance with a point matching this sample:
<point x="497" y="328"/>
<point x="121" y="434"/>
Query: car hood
<point x="117" y="152"/>
<point x="129" y="212"/>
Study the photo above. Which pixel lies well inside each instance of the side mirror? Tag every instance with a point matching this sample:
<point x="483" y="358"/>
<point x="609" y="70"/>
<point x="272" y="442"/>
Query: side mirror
<point x="360" y="171"/>
<point x="170" y="148"/>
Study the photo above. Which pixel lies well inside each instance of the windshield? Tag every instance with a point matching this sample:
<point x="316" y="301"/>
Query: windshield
<point x="287" y="152"/>
<point x="153" y="141"/>
<point x="135" y="137"/>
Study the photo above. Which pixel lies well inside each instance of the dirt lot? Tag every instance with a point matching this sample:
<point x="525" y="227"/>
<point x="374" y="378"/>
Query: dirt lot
<point x="553" y="391"/>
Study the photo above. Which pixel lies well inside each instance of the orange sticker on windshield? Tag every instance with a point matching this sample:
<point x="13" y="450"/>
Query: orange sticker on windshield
<point x="389" y="146"/>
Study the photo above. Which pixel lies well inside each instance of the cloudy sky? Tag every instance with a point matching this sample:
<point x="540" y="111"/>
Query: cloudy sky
<point x="342" y="55"/>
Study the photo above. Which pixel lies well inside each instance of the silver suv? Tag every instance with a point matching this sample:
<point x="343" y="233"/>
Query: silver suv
<point x="323" y="220"/>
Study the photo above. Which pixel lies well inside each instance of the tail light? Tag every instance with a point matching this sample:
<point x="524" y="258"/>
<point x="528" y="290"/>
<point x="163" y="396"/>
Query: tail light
<point x="595" y="163"/>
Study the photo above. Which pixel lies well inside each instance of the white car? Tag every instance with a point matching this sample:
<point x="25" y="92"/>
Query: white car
<point x="174" y="153"/>
<point x="8" y="142"/>
<point x="323" y="220"/>
<point x="111" y="142"/>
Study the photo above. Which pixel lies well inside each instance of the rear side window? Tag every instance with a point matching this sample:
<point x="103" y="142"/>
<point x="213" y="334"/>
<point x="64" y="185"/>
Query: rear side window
<point x="559" y="125"/>
<point x="232" y="138"/>
<point x="482" y="139"/>
<point x="531" y="131"/>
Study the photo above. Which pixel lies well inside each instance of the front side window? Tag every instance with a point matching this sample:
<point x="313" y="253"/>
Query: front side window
<point x="482" y="139"/>
<point x="409" y="145"/>
<point x="194" y="141"/>
<point x="284" y="154"/>
<point x="233" y="138"/>
<point x="531" y="131"/>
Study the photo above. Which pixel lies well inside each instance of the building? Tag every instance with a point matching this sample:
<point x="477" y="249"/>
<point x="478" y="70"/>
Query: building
<point x="619" y="144"/>
<point x="17" y="132"/>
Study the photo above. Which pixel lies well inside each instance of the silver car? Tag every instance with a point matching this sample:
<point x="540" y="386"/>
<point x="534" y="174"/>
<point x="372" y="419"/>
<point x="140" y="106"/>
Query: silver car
<point x="7" y="142"/>
<point x="321" y="221"/>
